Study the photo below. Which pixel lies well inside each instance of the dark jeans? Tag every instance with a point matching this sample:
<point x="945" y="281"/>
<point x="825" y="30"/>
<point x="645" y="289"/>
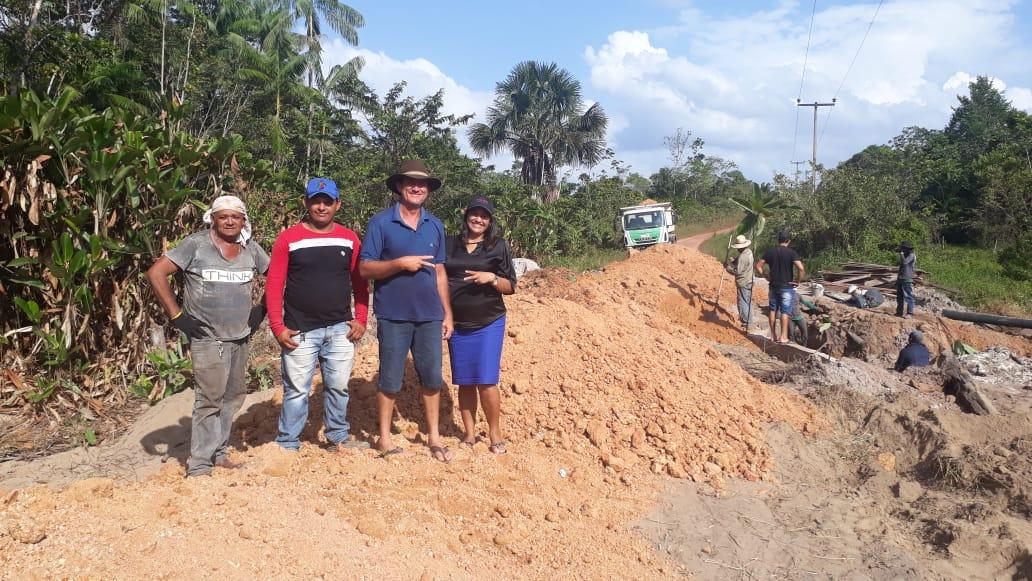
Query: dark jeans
<point x="798" y="331"/>
<point x="904" y="295"/>
<point x="220" y="372"/>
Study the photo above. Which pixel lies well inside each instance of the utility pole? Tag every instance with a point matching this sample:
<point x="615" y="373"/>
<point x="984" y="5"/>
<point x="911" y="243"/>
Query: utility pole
<point x="813" y="160"/>
<point x="797" y="164"/>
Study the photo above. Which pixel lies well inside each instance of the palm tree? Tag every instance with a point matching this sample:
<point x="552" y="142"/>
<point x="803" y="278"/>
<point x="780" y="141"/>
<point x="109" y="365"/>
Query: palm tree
<point x="344" y="88"/>
<point x="538" y="114"/>
<point x="276" y="66"/>
<point x="343" y="19"/>
<point x="761" y="204"/>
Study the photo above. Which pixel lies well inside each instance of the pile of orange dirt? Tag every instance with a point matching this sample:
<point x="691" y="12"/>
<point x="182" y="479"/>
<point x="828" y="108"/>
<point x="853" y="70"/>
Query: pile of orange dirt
<point x="673" y="286"/>
<point x="603" y="393"/>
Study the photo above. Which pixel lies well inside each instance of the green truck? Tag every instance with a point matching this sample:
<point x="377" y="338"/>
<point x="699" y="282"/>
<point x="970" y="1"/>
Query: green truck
<point x="647" y="224"/>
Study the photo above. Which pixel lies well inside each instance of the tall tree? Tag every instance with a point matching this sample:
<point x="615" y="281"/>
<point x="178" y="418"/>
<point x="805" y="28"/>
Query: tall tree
<point x="277" y="68"/>
<point x="343" y="19"/>
<point x="539" y="115"/>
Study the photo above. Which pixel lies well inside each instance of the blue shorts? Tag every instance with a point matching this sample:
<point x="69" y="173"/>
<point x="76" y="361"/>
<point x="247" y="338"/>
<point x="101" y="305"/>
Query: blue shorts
<point x="476" y="354"/>
<point x="781" y="300"/>
<point x="396" y="339"/>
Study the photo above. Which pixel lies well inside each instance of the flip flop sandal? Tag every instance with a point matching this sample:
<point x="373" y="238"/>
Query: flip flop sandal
<point x="440" y="453"/>
<point x="466" y="444"/>
<point x="498" y="448"/>
<point x="392" y="452"/>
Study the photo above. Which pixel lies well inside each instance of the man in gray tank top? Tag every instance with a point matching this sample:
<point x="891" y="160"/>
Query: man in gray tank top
<point x="218" y="265"/>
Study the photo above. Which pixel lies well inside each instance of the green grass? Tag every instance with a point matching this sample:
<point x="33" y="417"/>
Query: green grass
<point x="716" y="246"/>
<point x="593" y="259"/>
<point x="978" y="278"/>
<point x="973" y="273"/>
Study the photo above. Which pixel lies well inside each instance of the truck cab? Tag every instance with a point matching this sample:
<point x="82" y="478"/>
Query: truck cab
<point x="648" y="224"/>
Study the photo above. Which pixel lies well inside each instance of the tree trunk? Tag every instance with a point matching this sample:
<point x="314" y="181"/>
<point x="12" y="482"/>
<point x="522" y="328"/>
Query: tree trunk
<point x="278" y="144"/>
<point x="322" y="146"/>
<point x="306" y="169"/>
<point x="164" y="25"/>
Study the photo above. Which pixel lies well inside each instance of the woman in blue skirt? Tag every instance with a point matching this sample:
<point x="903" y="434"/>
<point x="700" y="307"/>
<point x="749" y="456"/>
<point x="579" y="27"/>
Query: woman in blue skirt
<point x="480" y="271"/>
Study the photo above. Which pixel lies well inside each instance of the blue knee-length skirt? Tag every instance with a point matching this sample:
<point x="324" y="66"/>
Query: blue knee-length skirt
<point x="476" y="354"/>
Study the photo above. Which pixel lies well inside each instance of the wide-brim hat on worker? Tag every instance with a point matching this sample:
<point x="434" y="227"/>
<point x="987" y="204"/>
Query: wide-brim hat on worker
<point x="741" y="242"/>
<point x="906" y="245"/>
<point x="415" y="169"/>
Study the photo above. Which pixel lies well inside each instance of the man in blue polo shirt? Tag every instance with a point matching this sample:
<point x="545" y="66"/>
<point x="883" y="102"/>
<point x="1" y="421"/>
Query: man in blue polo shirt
<point x="404" y="253"/>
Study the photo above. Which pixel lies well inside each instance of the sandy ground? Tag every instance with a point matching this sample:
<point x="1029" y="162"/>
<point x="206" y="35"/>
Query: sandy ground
<point x="645" y="442"/>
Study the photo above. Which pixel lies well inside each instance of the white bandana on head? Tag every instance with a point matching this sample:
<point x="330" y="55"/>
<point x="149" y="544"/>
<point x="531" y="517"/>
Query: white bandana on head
<point x="237" y="205"/>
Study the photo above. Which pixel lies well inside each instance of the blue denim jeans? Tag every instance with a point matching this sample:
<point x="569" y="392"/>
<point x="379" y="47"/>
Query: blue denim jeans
<point x="780" y="299"/>
<point x="396" y="339"/>
<point x="335" y="353"/>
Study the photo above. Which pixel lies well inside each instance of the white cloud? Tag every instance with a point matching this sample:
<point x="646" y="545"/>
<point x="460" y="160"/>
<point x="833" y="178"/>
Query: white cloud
<point x="958" y="83"/>
<point x="423" y="78"/>
<point x="1021" y="98"/>
<point x="733" y="81"/>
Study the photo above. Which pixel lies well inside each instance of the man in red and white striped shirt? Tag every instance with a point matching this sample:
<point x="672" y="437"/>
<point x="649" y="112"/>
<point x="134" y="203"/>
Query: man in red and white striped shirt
<point x="312" y="279"/>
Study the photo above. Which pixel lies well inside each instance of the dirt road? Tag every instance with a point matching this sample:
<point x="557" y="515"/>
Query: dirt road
<point x="694" y="242"/>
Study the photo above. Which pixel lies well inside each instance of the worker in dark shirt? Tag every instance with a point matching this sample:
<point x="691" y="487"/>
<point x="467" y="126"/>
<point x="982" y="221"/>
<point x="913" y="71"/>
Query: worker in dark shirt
<point x="915" y="354"/>
<point x="480" y="271"/>
<point x="781" y="259"/>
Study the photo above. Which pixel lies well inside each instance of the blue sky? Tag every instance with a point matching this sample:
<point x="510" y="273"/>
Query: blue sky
<point x="729" y="72"/>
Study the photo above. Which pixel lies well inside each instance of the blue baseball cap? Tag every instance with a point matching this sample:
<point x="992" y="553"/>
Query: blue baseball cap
<point x="324" y="186"/>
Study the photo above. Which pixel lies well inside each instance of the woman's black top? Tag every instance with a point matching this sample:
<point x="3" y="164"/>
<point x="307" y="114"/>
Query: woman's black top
<point x="477" y="305"/>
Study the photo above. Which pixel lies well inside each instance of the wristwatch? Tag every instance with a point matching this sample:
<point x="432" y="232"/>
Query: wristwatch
<point x="495" y="281"/>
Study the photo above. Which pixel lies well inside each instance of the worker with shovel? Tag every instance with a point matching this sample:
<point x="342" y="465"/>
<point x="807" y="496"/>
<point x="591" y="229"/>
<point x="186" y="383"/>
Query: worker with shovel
<point x="742" y="268"/>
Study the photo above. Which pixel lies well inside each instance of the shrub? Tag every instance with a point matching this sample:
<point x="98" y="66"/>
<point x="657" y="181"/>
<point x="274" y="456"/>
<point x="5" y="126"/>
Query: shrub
<point x="1017" y="260"/>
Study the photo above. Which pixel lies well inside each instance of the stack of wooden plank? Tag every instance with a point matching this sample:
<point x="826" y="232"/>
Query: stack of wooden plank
<point x="864" y="275"/>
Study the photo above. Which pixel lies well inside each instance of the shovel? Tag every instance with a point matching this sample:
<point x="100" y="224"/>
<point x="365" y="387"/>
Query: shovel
<point x="712" y="315"/>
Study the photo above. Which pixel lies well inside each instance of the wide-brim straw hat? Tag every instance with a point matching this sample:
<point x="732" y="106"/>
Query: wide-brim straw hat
<point x="415" y="169"/>
<point x="740" y="242"/>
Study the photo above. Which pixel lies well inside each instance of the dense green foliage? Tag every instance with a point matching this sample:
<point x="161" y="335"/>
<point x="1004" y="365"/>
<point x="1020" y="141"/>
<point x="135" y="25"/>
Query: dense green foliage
<point x="120" y="121"/>
<point x="969" y="183"/>
<point x="699" y="185"/>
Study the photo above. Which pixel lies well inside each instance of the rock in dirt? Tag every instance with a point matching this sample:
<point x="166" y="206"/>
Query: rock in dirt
<point x="373" y="525"/>
<point x="27" y="531"/>
<point x="886" y="461"/>
<point x="908" y="491"/>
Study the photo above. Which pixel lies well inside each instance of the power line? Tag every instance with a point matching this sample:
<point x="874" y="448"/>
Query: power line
<point x="802" y="77"/>
<point x="850" y="68"/>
